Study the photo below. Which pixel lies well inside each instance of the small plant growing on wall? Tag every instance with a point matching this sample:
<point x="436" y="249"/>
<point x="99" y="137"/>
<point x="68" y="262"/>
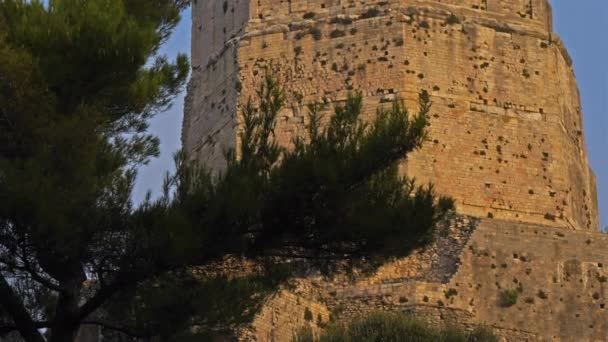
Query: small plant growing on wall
<point x="508" y="298"/>
<point x="450" y="293"/>
<point x="549" y="217"/>
<point x="452" y="20"/>
<point x="337" y="33"/>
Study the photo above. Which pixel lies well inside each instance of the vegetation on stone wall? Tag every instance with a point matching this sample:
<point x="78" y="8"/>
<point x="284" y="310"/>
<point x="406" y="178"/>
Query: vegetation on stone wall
<point x="508" y="298"/>
<point x="395" y="327"/>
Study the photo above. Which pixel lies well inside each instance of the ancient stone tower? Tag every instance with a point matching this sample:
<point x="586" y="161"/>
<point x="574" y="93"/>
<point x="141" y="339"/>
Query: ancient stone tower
<point x="506" y="143"/>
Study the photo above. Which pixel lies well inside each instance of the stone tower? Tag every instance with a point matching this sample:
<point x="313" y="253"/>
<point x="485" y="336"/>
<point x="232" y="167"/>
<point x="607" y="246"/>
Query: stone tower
<point x="507" y="144"/>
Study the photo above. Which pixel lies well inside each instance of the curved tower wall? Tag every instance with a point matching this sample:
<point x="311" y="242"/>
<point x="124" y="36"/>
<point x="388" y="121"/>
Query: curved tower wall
<point x="506" y="127"/>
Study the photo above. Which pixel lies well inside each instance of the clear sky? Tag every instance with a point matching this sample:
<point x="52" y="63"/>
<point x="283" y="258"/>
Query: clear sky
<point x="583" y="26"/>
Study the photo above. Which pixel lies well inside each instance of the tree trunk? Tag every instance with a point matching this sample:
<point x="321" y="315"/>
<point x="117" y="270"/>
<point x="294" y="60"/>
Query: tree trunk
<point x="64" y="333"/>
<point x="66" y="322"/>
<point x="10" y="302"/>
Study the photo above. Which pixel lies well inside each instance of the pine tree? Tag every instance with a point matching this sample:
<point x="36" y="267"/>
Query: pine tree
<point x="335" y="196"/>
<point x="77" y="90"/>
<point x="75" y="95"/>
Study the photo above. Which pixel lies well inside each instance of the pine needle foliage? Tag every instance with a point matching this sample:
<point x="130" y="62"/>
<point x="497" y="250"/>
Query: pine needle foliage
<point x="79" y="82"/>
<point x="334" y="194"/>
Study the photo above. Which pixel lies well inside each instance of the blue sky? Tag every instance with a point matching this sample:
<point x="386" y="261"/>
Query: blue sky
<point x="583" y="26"/>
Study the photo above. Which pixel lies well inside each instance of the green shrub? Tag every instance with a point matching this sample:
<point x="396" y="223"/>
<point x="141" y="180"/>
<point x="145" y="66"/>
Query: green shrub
<point x="424" y="24"/>
<point x="450" y="293"/>
<point x="452" y="20"/>
<point x="394" y="327"/>
<point x="508" y="298"/>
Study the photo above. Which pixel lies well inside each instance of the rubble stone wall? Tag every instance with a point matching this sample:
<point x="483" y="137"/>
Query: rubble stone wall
<point x="559" y="276"/>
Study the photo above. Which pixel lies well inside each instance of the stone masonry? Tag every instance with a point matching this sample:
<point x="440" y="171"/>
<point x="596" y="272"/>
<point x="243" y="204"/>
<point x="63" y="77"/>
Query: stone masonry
<point x="507" y="144"/>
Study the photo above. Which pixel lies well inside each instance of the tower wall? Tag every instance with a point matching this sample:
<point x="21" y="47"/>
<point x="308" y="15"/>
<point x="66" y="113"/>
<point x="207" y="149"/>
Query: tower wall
<point x="506" y="125"/>
<point x="213" y="92"/>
